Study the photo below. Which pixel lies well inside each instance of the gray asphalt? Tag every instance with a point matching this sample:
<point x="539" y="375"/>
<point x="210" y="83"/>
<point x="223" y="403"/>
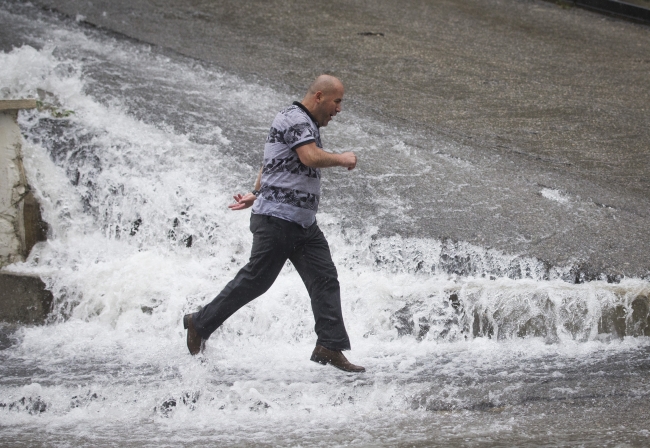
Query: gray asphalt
<point x="538" y="96"/>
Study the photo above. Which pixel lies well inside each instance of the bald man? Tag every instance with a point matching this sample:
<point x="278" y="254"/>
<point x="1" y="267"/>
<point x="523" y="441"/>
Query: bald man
<point x="283" y="223"/>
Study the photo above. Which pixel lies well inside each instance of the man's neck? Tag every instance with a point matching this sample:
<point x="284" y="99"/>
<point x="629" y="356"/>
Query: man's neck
<point x="307" y="111"/>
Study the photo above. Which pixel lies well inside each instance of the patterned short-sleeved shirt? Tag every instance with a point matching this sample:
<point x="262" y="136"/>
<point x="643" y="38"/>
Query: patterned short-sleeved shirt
<point x="290" y="189"/>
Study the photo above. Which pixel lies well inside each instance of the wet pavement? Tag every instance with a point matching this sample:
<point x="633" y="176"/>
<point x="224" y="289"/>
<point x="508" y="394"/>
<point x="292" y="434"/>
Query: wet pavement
<point x="548" y="97"/>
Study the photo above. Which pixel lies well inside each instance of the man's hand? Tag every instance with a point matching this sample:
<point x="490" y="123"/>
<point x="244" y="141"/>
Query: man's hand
<point x="242" y="201"/>
<point x="348" y="160"/>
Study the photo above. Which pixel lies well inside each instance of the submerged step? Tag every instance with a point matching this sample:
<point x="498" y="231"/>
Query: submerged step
<point x="23" y="299"/>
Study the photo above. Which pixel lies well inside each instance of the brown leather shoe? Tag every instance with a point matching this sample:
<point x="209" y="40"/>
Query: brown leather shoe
<point x="194" y="340"/>
<point x="325" y="356"/>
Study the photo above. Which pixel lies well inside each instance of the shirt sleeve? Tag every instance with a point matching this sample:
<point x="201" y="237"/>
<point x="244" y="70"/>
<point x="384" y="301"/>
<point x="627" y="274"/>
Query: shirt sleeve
<point x="299" y="134"/>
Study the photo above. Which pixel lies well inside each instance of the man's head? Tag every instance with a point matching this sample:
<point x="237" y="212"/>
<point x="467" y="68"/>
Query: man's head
<point x="323" y="98"/>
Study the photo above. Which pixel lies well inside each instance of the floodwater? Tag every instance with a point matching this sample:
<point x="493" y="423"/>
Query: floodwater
<point x="134" y="156"/>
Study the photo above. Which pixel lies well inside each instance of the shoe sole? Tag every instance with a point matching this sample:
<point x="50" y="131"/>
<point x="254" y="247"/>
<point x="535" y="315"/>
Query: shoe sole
<point x="319" y="360"/>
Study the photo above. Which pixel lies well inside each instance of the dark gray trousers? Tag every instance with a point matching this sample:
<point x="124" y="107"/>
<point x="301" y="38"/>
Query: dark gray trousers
<point x="274" y="242"/>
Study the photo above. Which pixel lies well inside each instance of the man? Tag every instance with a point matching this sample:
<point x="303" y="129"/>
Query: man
<point x="283" y="223"/>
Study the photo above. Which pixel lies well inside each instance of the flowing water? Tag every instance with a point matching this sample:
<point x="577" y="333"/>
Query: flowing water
<point x="135" y="153"/>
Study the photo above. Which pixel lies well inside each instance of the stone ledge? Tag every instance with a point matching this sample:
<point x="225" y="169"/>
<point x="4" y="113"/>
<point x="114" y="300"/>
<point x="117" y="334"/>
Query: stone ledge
<point x="23" y="299"/>
<point x="17" y="104"/>
<point x="21" y="223"/>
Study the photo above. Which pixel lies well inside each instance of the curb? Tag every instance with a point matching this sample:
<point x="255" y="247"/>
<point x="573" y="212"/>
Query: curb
<point x="616" y="8"/>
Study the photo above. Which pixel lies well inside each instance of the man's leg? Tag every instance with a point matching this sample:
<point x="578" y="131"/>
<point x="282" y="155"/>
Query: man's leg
<point x="313" y="261"/>
<point x="272" y="245"/>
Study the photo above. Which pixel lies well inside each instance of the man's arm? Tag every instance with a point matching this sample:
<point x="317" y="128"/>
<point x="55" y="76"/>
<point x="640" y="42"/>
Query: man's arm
<point x="314" y="157"/>
<point x="243" y="201"/>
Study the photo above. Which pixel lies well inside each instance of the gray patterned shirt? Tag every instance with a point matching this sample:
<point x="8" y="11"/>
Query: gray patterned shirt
<point x="290" y="190"/>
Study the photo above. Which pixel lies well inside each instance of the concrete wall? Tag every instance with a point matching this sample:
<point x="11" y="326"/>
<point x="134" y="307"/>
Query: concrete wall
<point x="22" y="298"/>
<point x="12" y="189"/>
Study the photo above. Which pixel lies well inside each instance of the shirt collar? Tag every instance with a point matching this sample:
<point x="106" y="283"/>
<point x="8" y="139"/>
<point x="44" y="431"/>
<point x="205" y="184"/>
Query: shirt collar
<point x="300" y="105"/>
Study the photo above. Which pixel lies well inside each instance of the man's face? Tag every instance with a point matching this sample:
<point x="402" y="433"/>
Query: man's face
<point x="329" y="104"/>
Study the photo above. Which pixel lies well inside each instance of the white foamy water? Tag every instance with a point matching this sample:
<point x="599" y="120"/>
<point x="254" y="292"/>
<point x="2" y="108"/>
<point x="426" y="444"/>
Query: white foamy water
<point x="554" y="195"/>
<point x="460" y="342"/>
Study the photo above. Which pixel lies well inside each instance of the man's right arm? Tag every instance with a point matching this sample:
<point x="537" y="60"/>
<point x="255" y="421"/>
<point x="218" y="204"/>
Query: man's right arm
<point x="314" y="157"/>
